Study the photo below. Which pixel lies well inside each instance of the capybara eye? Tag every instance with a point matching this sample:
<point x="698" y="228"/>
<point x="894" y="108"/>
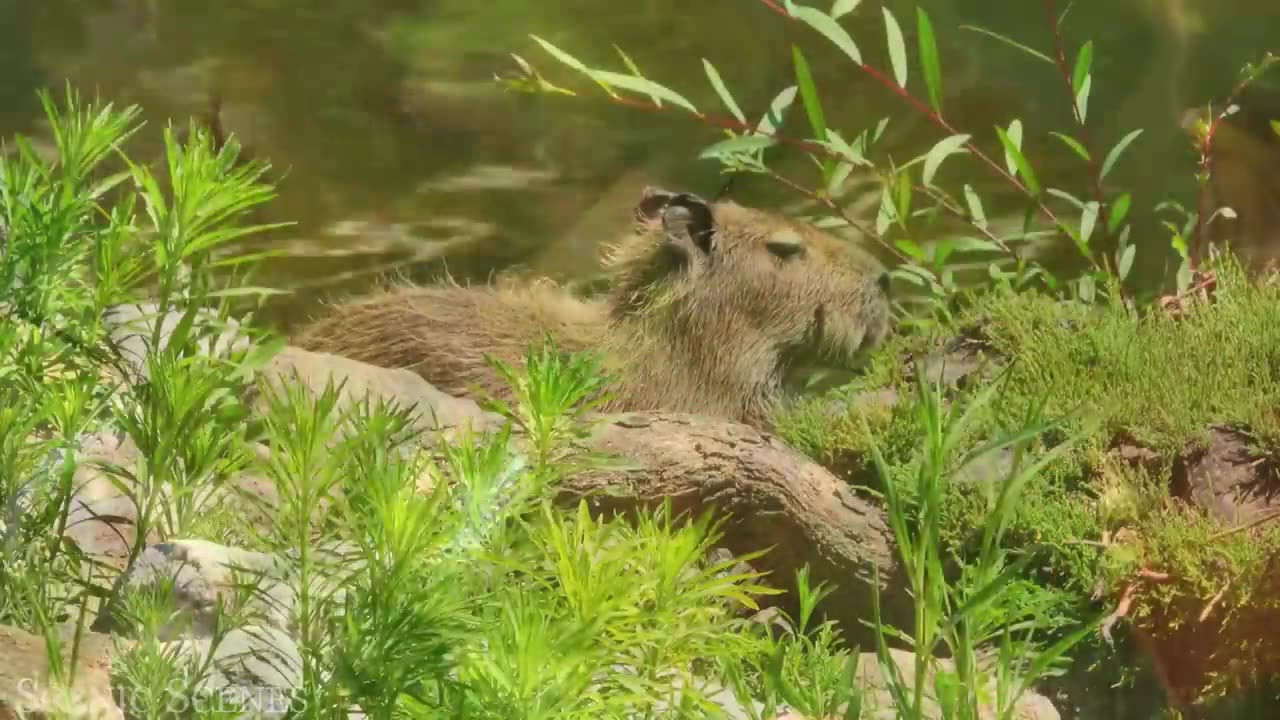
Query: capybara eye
<point x="784" y="247"/>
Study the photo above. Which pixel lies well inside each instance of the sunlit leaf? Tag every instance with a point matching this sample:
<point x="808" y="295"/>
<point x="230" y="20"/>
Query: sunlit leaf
<point x="725" y="96"/>
<point x="1064" y="195"/>
<point x="838" y="176"/>
<point x="1084" y="63"/>
<point x="635" y="70"/>
<point x="941" y="151"/>
<point x="1074" y="144"/>
<point x="1275" y="125"/>
<point x="975" y="207"/>
<point x="1114" y="155"/>
<point x="1013" y="43"/>
<point x="929" y="61"/>
<point x="1015" y="134"/>
<point x="1126" y="261"/>
<point x="827" y="26"/>
<point x="843" y="7"/>
<point x="897" y="47"/>
<point x="740" y="143"/>
<point x="1082" y="98"/>
<point x="1088" y="220"/>
<point x="647" y="87"/>
<point x="972" y="244"/>
<point x="1014" y="153"/>
<point x="880" y="126"/>
<point x="562" y="56"/>
<point x="772" y="119"/>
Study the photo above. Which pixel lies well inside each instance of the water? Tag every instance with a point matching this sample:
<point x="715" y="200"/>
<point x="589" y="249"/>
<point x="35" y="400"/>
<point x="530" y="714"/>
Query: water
<point x="395" y="149"/>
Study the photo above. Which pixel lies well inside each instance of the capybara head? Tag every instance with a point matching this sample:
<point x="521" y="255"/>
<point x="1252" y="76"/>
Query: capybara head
<point x="721" y="279"/>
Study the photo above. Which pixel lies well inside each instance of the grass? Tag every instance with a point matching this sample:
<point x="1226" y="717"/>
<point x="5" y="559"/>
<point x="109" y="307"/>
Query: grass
<point x="1117" y="377"/>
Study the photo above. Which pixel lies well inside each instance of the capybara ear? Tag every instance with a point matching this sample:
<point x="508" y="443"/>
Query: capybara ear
<point x="883" y="281"/>
<point x="653" y="200"/>
<point x="688" y="218"/>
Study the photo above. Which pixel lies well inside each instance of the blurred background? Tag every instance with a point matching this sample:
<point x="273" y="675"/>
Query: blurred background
<point x="394" y="148"/>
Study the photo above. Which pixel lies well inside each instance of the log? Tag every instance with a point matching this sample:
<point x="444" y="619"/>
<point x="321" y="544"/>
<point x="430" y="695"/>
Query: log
<point x="774" y="497"/>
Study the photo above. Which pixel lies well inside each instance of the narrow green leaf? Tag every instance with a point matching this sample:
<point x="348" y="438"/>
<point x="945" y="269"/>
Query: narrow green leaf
<point x="897" y="48"/>
<point x="1275" y="125"/>
<point x="722" y="91"/>
<point x="1088" y="220"/>
<point x="943" y="149"/>
<point x="888" y="212"/>
<point x="929" y="59"/>
<point x="1126" y="261"/>
<point x="1013" y="43"/>
<point x="1015" y="134"/>
<point x="1074" y="144"/>
<point x="562" y="56"/>
<point x="880" y="126"/>
<point x="1082" y="98"/>
<point x="635" y="70"/>
<point x="828" y="27"/>
<point x="641" y="85"/>
<point x="1084" y="63"/>
<point x="1119" y="211"/>
<point x="975" y="207"/>
<point x="838" y="176"/>
<point x="843" y="7"/>
<point x="904" y="199"/>
<point x="910" y="249"/>
<point x="738" y="143"/>
<point x="1114" y="155"/>
<point x="973" y="244"/>
<point x="772" y="119"/>
<point x="1014" y="153"/>
<point x="1064" y="195"/>
<point x="809" y="95"/>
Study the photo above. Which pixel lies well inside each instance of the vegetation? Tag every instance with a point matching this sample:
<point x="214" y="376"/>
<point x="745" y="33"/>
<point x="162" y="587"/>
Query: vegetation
<point x="481" y="597"/>
<point x="476" y="598"/>
<point x="1091" y="347"/>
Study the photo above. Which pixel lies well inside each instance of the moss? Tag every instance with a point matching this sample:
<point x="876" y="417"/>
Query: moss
<point x="1142" y="379"/>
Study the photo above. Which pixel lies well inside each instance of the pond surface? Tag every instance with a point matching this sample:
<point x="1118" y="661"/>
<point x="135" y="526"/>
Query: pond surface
<point x="396" y="150"/>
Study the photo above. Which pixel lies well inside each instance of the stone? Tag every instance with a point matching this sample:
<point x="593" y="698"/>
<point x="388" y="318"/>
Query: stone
<point x="1228" y="479"/>
<point x="877" y="701"/>
<point x="433" y="411"/>
<point x="28" y="691"/>
<point x="129" y="328"/>
<point x="203" y="573"/>
<point x="255" y="668"/>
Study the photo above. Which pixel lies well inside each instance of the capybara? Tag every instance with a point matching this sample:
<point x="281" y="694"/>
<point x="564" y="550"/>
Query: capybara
<point x="712" y="308"/>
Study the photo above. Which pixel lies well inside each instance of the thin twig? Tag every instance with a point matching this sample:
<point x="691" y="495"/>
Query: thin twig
<point x="941" y="123"/>
<point x="1248" y="526"/>
<point x="1094" y="169"/>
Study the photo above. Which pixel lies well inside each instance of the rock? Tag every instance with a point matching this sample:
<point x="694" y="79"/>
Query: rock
<point x="960" y="362"/>
<point x="433" y="410"/>
<point x="255" y="668"/>
<point x="101" y="519"/>
<point x="129" y="328"/>
<point x="27" y="690"/>
<point x="877" y="702"/>
<point x="202" y="574"/>
<point x="1228" y="479"/>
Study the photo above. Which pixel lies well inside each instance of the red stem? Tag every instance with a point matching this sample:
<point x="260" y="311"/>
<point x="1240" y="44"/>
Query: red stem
<point x="1095" y="169"/>
<point x="937" y="120"/>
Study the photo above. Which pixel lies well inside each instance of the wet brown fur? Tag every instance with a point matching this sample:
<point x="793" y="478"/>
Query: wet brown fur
<point x="713" y="328"/>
